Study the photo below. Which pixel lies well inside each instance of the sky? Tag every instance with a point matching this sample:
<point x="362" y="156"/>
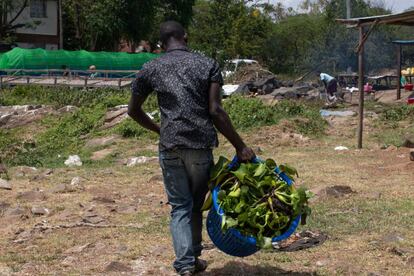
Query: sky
<point x="395" y="5"/>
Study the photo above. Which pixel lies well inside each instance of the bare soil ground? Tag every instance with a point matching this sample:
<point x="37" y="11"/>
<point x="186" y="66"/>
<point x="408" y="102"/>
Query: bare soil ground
<point x="114" y="221"/>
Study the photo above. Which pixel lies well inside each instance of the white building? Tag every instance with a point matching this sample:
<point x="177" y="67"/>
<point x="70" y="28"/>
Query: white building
<point x="47" y="33"/>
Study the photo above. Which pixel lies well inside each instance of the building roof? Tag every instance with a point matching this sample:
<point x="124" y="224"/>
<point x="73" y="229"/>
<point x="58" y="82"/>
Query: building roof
<point x="404" y="18"/>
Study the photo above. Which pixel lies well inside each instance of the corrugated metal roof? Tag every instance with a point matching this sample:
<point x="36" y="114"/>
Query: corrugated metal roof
<point x="404" y="18"/>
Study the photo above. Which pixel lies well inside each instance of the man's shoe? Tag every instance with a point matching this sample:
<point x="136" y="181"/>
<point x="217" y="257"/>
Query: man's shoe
<point x="200" y="265"/>
<point x="186" y="273"/>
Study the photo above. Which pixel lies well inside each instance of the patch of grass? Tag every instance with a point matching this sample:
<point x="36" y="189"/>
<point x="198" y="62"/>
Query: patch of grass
<point x="361" y="216"/>
<point x="247" y="113"/>
<point x="59" y="97"/>
<point x="395" y="123"/>
<point x="64" y="136"/>
<point x="398" y="113"/>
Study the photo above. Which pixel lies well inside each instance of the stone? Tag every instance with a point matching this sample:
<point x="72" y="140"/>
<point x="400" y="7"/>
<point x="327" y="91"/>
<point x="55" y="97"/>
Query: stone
<point x="73" y="161"/>
<point x="116" y="112"/>
<point x="133" y="161"/>
<point x="102" y="141"/>
<point x="77" y="249"/>
<point x="76" y="183"/>
<point x="104" y="199"/>
<point x="3" y="207"/>
<point x="336" y="191"/>
<point x="102" y="154"/>
<point x="69" y="261"/>
<point x="59" y="188"/>
<point x="341" y="148"/>
<point x="5" y="185"/>
<point x="31" y="196"/>
<point x="40" y="211"/>
<point x="67" y="109"/>
<point x="11" y="212"/>
<point x="115" y="116"/>
<point x="391" y="148"/>
<point x="321" y="263"/>
<point x="93" y="219"/>
<point x="393" y="238"/>
<point x="5" y="270"/>
<point x="126" y="209"/>
<point x="24" y="171"/>
<point x="15" y="116"/>
<point x="48" y="172"/>
<point x="409" y="142"/>
<point x="117" y="267"/>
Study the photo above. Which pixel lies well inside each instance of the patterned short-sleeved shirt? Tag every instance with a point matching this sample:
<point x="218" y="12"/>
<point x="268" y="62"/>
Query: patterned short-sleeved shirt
<point x="181" y="80"/>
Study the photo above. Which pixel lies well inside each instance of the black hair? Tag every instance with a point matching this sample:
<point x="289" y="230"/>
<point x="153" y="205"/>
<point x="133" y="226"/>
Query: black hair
<point x="171" y="29"/>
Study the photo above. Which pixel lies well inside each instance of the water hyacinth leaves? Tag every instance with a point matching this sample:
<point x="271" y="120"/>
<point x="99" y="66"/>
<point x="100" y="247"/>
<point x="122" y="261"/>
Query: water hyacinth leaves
<point x="255" y="200"/>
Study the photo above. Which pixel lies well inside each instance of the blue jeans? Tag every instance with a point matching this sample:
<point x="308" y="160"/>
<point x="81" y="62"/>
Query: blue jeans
<point x="186" y="173"/>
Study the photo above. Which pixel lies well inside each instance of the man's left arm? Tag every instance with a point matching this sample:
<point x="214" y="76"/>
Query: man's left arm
<point x="140" y="92"/>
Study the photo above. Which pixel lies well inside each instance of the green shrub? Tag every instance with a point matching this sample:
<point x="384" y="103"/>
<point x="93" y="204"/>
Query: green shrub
<point x="247" y="113"/>
<point x="398" y="113"/>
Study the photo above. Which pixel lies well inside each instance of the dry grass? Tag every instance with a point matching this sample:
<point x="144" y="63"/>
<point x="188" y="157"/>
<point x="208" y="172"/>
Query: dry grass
<point x="363" y="227"/>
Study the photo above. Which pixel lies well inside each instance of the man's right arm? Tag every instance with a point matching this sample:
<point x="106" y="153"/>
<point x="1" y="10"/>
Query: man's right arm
<point x="223" y="123"/>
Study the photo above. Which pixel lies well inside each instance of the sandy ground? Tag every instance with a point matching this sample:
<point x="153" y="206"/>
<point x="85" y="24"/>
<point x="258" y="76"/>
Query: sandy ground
<point x="114" y="219"/>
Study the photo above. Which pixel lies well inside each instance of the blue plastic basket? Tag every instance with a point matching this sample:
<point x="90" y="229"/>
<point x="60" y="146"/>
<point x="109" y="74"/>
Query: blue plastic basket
<point x="232" y="242"/>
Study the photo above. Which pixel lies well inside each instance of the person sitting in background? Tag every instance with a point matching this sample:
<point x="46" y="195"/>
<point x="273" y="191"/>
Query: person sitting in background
<point x="93" y="74"/>
<point x="331" y="85"/>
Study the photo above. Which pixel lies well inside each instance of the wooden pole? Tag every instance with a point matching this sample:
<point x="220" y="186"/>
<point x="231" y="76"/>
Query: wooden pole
<point x="361" y="86"/>
<point x="399" y="71"/>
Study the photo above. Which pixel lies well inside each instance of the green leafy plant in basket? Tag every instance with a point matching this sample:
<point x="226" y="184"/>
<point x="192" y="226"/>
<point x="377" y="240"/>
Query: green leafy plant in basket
<point x="256" y="201"/>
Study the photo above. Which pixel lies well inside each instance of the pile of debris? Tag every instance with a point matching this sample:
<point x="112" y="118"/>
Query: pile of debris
<point x="252" y="79"/>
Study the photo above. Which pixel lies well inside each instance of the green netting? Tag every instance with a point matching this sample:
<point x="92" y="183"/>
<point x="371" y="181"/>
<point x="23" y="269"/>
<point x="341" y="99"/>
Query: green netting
<point x="19" y="58"/>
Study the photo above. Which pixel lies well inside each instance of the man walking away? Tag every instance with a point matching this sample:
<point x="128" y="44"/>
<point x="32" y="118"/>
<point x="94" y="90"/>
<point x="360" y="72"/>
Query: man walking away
<point x="331" y="85"/>
<point x="188" y="87"/>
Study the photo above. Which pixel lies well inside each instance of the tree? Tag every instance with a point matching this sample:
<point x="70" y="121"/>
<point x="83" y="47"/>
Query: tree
<point x="10" y="10"/>
<point x="100" y="25"/>
<point x="228" y="29"/>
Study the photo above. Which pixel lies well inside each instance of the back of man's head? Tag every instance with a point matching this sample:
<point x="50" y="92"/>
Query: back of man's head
<point x="169" y="30"/>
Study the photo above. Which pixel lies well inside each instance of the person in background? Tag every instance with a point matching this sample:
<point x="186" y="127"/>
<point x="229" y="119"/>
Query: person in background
<point x="188" y="88"/>
<point x="65" y="71"/>
<point x="93" y="73"/>
<point x="331" y="85"/>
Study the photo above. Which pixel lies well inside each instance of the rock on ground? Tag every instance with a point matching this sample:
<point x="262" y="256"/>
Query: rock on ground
<point x="32" y="196"/>
<point x="115" y="116"/>
<point x="102" y="154"/>
<point x="21" y="115"/>
<point x="102" y="141"/>
<point x="73" y="161"/>
<point x="5" y="185"/>
<point x="40" y="211"/>
<point x="133" y="161"/>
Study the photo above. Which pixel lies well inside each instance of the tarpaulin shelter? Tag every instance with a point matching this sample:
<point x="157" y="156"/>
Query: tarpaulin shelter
<point x="404" y="18"/>
<point x="19" y="58"/>
<point x="400" y="44"/>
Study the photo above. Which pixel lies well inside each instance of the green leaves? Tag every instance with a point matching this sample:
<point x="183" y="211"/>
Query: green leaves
<point x="255" y="201"/>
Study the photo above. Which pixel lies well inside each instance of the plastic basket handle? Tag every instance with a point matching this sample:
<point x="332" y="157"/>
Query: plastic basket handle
<point x="236" y="161"/>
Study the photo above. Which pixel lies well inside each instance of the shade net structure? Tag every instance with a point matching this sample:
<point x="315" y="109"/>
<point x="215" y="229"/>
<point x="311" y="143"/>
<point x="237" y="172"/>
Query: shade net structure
<point x="32" y="59"/>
